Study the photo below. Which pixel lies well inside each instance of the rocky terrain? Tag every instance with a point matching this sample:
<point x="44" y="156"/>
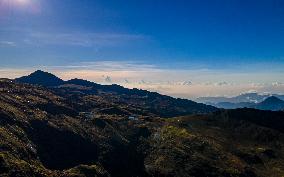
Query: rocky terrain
<point x="80" y="128"/>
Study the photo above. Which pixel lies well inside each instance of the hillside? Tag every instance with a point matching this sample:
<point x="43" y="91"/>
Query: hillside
<point x="45" y="132"/>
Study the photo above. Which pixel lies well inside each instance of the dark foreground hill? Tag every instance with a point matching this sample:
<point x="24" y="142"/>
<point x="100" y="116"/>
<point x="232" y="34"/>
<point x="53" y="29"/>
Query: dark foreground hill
<point x="48" y="133"/>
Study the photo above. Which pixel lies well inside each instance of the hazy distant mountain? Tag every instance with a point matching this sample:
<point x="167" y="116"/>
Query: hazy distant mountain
<point x="249" y="100"/>
<point x="229" y="105"/>
<point x="271" y="103"/>
<point x="246" y="97"/>
<point x="41" y="78"/>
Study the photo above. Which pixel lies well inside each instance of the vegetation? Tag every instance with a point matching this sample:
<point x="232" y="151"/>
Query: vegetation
<point x="44" y="133"/>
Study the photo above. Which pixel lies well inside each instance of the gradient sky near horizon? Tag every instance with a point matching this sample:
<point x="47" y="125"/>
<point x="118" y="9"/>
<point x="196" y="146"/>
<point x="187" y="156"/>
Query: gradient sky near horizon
<point x="184" y="48"/>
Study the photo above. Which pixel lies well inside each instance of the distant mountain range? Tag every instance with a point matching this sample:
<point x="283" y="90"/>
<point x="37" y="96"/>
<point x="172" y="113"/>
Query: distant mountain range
<point x="272" y="102"/>
<point x="155" y="103"/>
<point x="246" y="97"/>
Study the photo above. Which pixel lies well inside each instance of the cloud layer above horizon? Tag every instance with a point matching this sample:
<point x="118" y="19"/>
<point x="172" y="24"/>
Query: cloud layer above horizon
<point x="174" y="82"/>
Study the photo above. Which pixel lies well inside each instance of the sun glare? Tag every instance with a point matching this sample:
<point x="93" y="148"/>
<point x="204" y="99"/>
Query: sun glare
<point x="30" y="6"/>
<point x="16" y="2"/>
<point x="22" y="2"/>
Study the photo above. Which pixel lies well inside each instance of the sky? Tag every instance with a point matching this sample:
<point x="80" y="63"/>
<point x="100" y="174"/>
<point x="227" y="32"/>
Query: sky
<point x="183" y="48"/>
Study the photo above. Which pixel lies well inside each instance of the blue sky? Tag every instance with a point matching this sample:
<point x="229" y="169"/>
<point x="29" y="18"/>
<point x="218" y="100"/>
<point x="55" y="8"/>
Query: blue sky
<point x="232" y="37"/>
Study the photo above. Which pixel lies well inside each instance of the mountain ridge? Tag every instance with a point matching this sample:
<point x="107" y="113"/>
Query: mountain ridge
<point x="163" y="105"/>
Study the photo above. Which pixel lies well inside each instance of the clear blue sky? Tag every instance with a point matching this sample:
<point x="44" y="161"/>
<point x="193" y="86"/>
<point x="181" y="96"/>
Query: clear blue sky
<point x="231" y="35"/>
<point x="165" y="31"/>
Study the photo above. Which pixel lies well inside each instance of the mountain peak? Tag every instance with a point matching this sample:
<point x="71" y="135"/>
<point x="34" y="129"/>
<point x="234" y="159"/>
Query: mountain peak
<point x="39" y="71"/>
<point x="271" y="103"/>
<point x="40" y="77"/>
<point x="273" y="99"/>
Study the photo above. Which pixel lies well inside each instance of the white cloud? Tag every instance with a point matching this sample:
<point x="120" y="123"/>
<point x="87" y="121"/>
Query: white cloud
<point x="113" y="66"/>
<point x="276" y="84"/>
<point x="187" y="83"/>
<point x="221" y="83"/>
<point x="82" y="39"/>
<point x="126" y="81"/>
<point x="68" y="38"/>
<point x="7" y="43"/>
<point x="108" y="79"/>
